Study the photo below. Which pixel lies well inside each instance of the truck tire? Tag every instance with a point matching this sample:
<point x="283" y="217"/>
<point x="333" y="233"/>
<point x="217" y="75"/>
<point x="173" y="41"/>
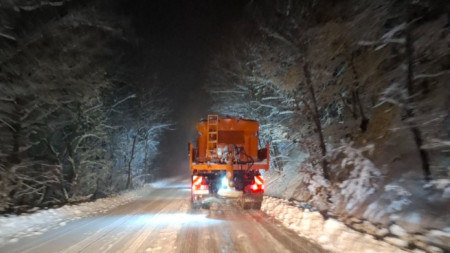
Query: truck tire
<point x="206" y="205"/>
<point x="195" y="205"/>
<point x="245" y="203"/>
<point x="257" y="201"/>
<point x="257" y="205"/>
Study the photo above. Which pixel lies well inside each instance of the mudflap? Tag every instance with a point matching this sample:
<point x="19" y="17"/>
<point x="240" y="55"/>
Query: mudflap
<point x="204" y="202"/>
<point x="218" y="203"/>
<point x="195" y="205"/>
<point x="196" y="201"/>
<point x="206" y="205"/>
<point x="251" y="201"/>
<point x="246" y="201"/>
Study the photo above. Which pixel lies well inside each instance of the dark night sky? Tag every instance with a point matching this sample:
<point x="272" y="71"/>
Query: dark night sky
<point x="178" y="39"/>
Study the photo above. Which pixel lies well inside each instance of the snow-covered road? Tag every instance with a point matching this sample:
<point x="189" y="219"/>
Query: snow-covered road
<point x="162" y="221"/>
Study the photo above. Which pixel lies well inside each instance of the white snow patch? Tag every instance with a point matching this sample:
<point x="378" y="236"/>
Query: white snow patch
<point x="397" y="230"/>
<point x="362" y="180"/>
<point x="14" y="227"/>
<point x="400" y="198"/>
<point x="413" y="218"/>
<point x="396" y="241"/>
<point x="440" y="184"/>
<point x="285" y="184"/>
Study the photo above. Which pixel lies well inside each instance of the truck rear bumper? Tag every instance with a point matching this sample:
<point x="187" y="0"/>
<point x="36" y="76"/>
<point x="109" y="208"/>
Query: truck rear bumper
<point x="226" y="193"/>
<point x="200" y="192"/>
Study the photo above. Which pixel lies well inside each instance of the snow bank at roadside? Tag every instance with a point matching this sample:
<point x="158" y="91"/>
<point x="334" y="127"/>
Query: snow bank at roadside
<point x="330" y="233"/>
<point x="13" y="227"/>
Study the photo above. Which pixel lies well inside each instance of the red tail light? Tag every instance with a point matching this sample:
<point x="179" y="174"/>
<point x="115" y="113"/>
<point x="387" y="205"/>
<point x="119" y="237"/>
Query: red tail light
<point x="198" y="186"/>
<point x="254" y="187"/>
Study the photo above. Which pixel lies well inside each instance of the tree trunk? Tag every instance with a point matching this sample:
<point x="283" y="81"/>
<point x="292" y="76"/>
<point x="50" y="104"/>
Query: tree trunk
<point x="277" y="161"/>
<point x="350" y="109"/>
<point x="64" y="193"/>
<point x="128" y="185"/>
<point x="410" y="103"/>
<point x="8" y="182"/>
<point x="364" y="119"/>
<point x="73" y="174"/>
<point x="317" y="122"/>
<point x="356" y="99"/>
<point x="146" y="160"/>
<point x="448" y="78"/>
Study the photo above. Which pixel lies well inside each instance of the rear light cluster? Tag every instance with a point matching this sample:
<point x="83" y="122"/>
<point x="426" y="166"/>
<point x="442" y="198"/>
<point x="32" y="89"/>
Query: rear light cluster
<point x="258" y="185"/>
<point x="199" y="187"/>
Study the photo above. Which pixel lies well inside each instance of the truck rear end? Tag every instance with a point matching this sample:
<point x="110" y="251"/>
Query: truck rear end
<point x="226" y="162"/>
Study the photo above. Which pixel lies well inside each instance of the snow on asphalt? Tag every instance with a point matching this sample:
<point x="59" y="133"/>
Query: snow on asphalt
<point x="158" y="222"/>
<point x="330" y="234"/>
<point x="14" y="227"/>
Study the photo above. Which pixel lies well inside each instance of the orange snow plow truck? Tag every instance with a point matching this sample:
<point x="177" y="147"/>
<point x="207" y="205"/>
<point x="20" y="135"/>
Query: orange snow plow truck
<point x="226" y="162"/>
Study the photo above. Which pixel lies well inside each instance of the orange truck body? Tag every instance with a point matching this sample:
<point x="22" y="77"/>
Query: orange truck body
<point x="218" y="136"/>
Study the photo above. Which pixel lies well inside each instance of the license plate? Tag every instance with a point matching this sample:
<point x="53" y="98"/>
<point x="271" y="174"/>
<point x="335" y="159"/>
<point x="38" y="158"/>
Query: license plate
<point x="201" y="192"/>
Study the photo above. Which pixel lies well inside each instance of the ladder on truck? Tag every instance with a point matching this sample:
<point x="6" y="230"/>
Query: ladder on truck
<point x="212" y="138"/>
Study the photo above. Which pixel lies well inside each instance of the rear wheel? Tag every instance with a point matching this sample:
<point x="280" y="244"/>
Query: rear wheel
<point x="206" y="205"/>
<point x="257" y="201"/>
<point x="257" y="205"/>
<point x="195" y="205"/>
<point x="246" y="203"/>
<point x="251" y="201"/>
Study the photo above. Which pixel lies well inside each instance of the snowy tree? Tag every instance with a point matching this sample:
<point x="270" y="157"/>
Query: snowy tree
<point x="241" y="85"/>
<point x="143" y="120"/>
<point x="60" y="93"/>
<point x="361" y="181"/>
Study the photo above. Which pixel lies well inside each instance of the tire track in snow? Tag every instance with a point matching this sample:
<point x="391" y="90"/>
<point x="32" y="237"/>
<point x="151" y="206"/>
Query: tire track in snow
<point x="162" y="236"/>
<point x="285" y="235"/>
<point x="68" y="229"/>
<point x="107" y="230"/>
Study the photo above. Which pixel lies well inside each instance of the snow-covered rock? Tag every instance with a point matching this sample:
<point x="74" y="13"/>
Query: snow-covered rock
<point x="439" y="237"/>
<point x="333" y="227"/>
<point x="396" y="241"/>
<point x="331" y="234"/>
<point x="397" y="230"/>
<point x="411" y="222"/>
<point x="382" y="232"/>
